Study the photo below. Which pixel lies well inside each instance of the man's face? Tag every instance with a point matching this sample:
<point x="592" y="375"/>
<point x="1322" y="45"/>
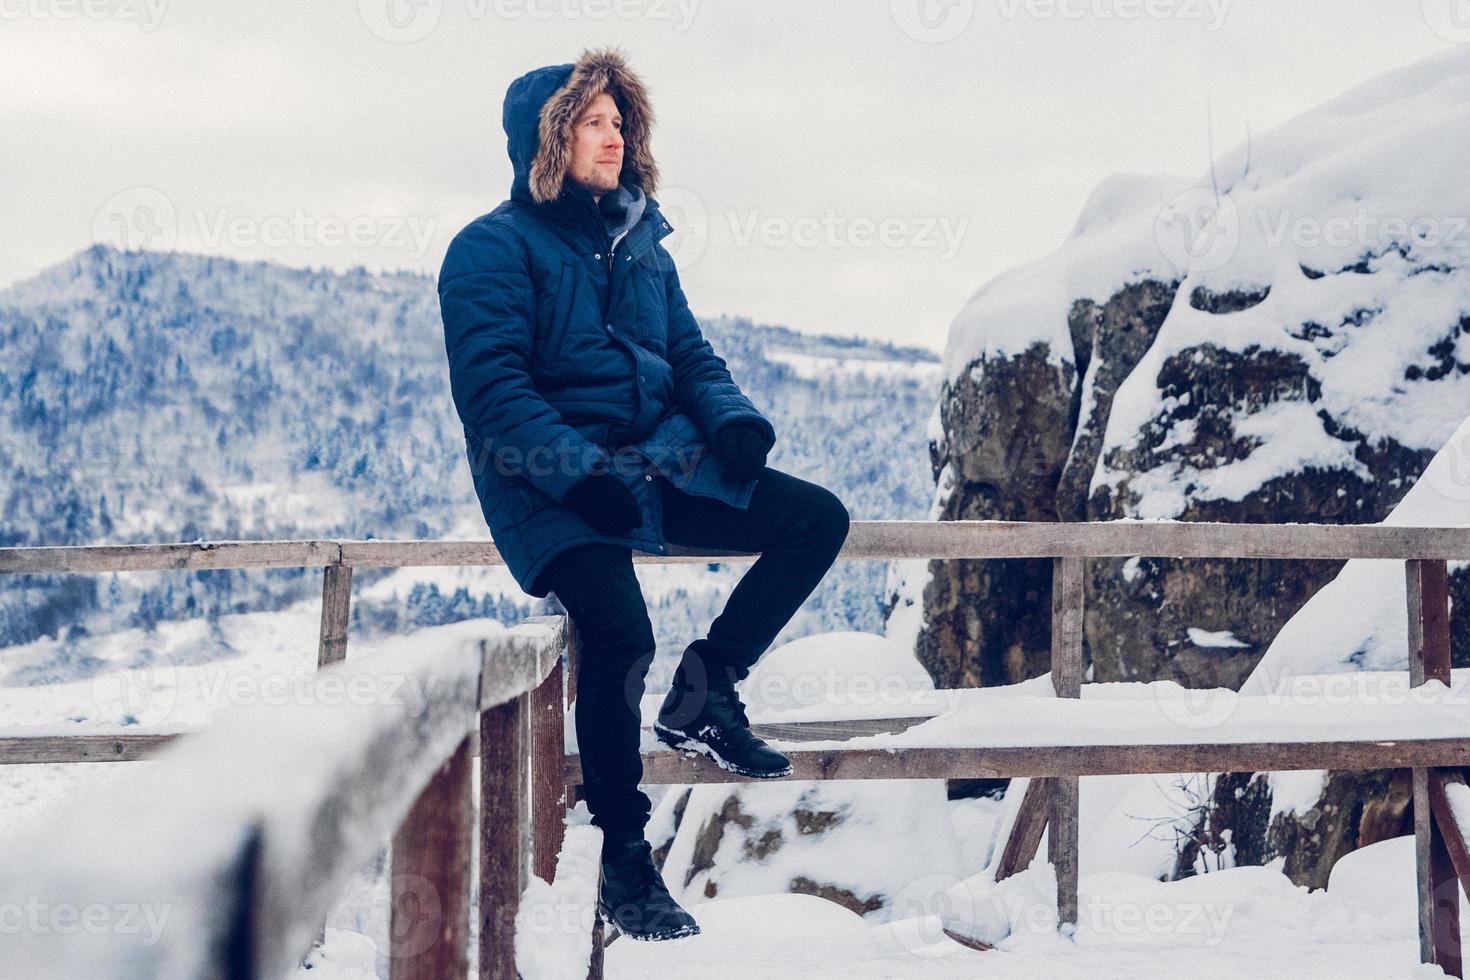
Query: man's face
<point x="597" y="146"/>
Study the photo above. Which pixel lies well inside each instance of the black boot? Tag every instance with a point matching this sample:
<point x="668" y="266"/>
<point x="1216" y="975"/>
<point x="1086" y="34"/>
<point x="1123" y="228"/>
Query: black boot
<point x="716" y="726"/>
<point x="633" y="897"/>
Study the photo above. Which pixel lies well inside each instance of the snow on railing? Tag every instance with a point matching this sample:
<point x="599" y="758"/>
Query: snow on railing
<point x="224" y="857"/>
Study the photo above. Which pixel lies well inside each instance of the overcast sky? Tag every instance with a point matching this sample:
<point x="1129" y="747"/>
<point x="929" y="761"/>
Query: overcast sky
<point x="855" y="167"/>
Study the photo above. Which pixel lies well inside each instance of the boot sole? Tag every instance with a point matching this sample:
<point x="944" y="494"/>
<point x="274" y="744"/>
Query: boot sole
<point x="645" y="937"/>
<point x="686" y="743"/>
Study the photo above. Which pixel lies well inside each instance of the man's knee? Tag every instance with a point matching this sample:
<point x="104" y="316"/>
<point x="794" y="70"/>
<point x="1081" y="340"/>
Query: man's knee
<point x="831" y="520"/>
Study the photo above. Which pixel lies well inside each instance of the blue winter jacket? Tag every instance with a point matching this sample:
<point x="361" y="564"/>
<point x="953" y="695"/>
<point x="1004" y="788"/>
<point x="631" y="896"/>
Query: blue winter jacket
<point x="568" y="345"/>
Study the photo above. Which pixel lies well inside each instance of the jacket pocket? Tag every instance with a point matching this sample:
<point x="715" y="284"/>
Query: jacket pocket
<point x="563" y="307"/>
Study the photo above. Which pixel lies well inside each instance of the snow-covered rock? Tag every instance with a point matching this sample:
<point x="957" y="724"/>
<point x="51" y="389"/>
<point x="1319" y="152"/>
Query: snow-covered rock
<point x="864" y="844"/>
<point x="1285" y="337"/>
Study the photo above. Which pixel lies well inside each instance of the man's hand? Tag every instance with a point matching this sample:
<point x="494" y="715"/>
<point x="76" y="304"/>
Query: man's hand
<point x="744" y="446"/>
<point x="603" y="501"/>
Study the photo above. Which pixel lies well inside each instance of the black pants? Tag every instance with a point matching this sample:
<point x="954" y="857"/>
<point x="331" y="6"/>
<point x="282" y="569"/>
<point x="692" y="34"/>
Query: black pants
<point x="797" y="527"/>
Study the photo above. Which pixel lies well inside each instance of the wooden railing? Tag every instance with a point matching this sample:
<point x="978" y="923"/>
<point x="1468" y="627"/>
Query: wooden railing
<point x="1050" y="803"/>
<point x="239" y="841"/>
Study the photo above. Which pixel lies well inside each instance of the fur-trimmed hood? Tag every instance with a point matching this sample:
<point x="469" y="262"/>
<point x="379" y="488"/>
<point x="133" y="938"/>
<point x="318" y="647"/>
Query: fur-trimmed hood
<point x="542" y="106"/>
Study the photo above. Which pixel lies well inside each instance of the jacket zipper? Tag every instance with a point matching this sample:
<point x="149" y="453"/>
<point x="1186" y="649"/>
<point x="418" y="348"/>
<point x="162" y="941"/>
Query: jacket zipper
<point x="610" y="252"/>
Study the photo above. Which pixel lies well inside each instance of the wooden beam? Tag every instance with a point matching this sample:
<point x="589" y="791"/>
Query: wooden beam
<point x="1066" y="679"/>
<point x="1427" y="595"/>
<point x="503" y="752"/>
<point x="816" y="731"/>
<point x="33" y="749"/>
<point x="665" y="766"/>
<point x="548" y="779"/>
<point x="1443" y="782"/>
<point x="429" y="924"/>
<point x="870" y="540"/>
<point x="336" y="614"/>
<point x="1025" y="836"/>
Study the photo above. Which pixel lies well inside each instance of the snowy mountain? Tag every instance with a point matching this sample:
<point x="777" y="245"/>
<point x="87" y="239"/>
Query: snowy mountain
<point x="153" y="396"/>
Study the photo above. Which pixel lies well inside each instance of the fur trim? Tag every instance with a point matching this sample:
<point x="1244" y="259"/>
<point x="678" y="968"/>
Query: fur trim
<point x="595" y="72"/>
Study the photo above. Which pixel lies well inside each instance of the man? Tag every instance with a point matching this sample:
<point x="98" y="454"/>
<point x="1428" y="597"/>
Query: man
<point x="591" y="403"/>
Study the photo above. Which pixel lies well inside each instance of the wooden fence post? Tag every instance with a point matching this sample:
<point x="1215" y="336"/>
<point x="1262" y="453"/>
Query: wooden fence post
<point x="503" y="765"/>
<point x="336" y="614"/>
<point x="1427" y="591"/>
<point x="429" y="927"/>
<point x="548" y="773"/>
<point x="331" y="644"/>
<point x="1066" y="678"/>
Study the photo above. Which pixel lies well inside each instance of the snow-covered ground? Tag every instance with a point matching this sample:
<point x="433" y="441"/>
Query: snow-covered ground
<point x="1238" y="921"/>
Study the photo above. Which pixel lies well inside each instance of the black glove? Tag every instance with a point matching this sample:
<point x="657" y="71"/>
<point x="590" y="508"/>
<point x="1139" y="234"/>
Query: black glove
<point x="743" y="445"/>
<point x="606" y="503"/>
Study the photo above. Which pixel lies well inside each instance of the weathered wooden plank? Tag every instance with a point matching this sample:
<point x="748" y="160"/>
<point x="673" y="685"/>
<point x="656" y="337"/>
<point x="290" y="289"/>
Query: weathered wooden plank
<point x="155" y="557"/>
<point x="994" y="762"/>
<point x="1441" y="782"/>
<point x="1025" y="836"/>
<point x="503" y="752"/>
<point x="430" y="879"/>
<point x="1427" y="595"/>
<point x="29" y="749"/>
<point x="813" y="731"/>
<point x="548" y="783"/>
<point x="521" y="659"/>
<point x="336" y="614"/>
<point x="867" y="540"/>
<point x="1449" y="869"/>
<point x="1066" y="678"/>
